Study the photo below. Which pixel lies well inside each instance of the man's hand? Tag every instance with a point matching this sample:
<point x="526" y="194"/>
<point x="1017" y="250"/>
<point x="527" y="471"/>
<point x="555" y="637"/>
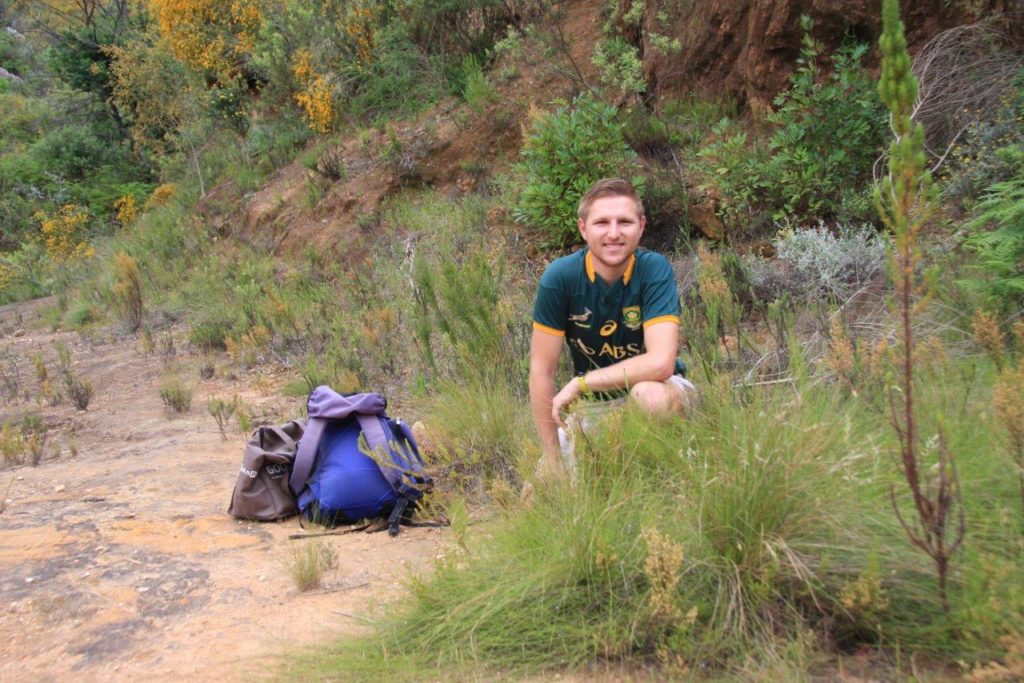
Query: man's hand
<point x="563" y="399"/>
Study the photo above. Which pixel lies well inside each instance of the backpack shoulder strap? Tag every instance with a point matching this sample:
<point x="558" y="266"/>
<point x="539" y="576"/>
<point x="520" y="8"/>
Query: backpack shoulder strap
<point x="405" y="435"/>
<point x="377" y="441"/>
<point x="373" y="430"/>
<point x="306" y="454"/>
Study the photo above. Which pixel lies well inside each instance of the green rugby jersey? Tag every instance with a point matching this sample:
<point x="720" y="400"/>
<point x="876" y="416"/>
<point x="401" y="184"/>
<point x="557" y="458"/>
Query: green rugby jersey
<point x="604" y="324"/>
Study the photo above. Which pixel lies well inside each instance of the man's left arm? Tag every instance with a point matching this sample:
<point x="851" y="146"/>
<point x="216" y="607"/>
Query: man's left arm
<point x="656" y="364"/>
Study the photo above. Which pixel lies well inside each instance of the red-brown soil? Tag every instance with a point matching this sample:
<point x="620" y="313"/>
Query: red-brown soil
<point x="120" y="562"/>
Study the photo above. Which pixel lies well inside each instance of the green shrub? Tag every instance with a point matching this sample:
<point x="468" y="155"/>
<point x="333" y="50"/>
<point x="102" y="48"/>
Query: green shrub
<point x="476" y="90"/>
<point x="210" y="335"/>
<point x="567" y="151"/>
<point x="648" y="134"/>
<point x="275" y="141"/>
<point x="12" y="445"/>
<point x="308" y="560"/>
<point x="175" y="394"/>
<point x="464" y="305"/>
<point x="619" y="66"/>
<point x="75" y="151"/>
<point x="460" y="27"/>
<point x="401" y="79"/>
<point x="679" y="542"/>
<point x="80" y="314"/>
<point x="127" y="290"/>
<point x="691" y="117"/>
<point x="25" y="273"/>
<point x="817" y="265"/>
<point x="221" y="410"/>
<point x="826" y="134"/>
<point x="1000" y="250"/>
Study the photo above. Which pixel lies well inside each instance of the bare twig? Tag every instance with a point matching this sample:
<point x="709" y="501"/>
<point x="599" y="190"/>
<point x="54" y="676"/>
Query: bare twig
<point x="962" y="73"/>
<point x="335" y="532"/>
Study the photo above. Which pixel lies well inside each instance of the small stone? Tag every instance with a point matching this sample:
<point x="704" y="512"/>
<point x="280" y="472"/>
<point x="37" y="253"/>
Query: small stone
<point x="29" y="579"/>
<point x="59" y="489"/>
<point x="143" y="589"/>
<point x="263" y="577"/>
<point x="19" y="333"/>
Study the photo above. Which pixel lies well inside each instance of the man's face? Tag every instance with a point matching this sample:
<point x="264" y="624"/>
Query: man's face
<point x="612" y="230"/>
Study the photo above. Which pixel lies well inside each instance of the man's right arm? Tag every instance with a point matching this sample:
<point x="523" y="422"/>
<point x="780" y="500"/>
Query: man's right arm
<point x="545" y="349"/>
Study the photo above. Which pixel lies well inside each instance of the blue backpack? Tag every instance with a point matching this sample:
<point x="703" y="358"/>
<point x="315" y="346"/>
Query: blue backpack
<point x="335" y="482"/>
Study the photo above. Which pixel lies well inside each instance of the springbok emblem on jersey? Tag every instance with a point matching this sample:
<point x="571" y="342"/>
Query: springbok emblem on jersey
<point x="580" y="319"/>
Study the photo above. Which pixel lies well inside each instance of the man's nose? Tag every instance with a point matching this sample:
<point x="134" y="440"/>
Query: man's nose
<point x="614" y="228"/>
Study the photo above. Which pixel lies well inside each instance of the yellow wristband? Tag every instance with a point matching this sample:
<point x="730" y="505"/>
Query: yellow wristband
<point x="582" y="384"/>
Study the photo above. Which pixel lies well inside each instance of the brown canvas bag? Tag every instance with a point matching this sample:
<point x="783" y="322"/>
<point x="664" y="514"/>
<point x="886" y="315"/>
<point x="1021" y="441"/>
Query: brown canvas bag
<point x="261" y="491"/>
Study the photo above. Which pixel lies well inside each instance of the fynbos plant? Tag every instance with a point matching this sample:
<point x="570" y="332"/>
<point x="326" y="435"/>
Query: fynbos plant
<point x="176" y="395"/>
<point x="78" y="389"/>
<point x="904" y="205"/>
<point x="127" y="290"/>
<point x="221" y="410"/>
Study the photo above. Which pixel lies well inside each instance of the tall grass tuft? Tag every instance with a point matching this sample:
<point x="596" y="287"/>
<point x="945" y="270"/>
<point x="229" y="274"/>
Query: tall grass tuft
<point x="308" y="561"/>
<point x="478" y="430"/>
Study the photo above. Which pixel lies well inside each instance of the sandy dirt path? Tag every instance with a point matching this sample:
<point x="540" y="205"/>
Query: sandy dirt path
<point x="119" y="562"/>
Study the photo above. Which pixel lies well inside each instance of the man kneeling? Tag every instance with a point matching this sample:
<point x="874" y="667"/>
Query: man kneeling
<point x="617" y="308"/>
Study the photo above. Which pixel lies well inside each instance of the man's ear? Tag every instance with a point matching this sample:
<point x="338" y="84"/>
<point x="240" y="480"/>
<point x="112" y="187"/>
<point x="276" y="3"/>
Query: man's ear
<point x="582" y="228"/>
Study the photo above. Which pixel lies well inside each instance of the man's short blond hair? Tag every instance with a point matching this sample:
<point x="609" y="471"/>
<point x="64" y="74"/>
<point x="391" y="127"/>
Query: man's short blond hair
<point x="608" y="187"/>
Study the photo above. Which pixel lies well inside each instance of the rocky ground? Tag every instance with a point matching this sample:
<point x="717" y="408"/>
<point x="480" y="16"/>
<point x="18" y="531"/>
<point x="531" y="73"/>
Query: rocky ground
<point x="117" y="558"/>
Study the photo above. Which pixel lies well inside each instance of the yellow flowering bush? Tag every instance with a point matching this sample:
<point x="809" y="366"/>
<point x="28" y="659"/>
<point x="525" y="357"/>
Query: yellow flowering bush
<point x="206" y="34"/>
<point x="360" y="25"/>
<point x="161" y="195"/>
<point x="61" y="233"/>
<point x="315" y="98"/>
<point x="127" y="209"/>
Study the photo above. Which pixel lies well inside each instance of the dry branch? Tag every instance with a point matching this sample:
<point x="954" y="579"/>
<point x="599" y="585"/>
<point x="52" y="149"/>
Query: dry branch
<point x="962" y="74"/>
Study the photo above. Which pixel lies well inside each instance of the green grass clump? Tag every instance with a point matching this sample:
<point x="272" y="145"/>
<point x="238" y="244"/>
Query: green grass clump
<point x="175" y="394"/>
<point x="80" y="314"/>
<point x="477" y="430"/>
<point x="308" y="561"/>
<point x="700" y="540"/>
<point x="210" y="335"/>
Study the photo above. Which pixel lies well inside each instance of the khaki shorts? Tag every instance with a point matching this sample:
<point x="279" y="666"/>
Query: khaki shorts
<point x="588" y="414"/>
